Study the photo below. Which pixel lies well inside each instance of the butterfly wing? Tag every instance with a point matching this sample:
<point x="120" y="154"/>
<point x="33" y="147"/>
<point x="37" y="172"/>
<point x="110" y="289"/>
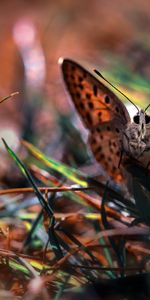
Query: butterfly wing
<point x="101" y="112"/>
<point x="105" y="142"/>
<point x="92" y="99"/>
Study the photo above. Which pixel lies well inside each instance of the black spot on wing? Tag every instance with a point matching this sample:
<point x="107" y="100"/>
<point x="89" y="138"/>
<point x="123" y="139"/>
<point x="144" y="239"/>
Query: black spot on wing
<point x="107" y="99"/>
<point x="95" y="90"/>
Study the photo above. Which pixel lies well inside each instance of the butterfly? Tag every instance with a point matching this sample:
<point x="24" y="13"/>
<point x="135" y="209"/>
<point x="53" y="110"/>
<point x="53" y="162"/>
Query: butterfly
<point x="111" y="132"/>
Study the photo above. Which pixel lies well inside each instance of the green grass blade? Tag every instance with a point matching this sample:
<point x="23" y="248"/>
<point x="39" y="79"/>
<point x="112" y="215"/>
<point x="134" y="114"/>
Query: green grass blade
<point x="27" y="174"/>
<point x="70" y="173"/>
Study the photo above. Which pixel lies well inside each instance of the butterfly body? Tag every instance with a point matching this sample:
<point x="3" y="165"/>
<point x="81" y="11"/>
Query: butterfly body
<point x="136" y="138"/>
<point x="111" y="131"/>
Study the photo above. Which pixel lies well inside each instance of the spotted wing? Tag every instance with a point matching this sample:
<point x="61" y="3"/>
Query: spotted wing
<point x="102" y="113"/>
<point x="105" y="141"/>
<point x="94" y="102"/>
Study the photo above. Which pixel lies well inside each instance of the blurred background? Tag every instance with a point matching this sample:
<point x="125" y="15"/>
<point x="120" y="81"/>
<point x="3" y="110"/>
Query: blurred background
<point x="112" y="36"/>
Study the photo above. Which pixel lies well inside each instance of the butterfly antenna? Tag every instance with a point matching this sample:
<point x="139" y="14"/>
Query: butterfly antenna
<point x="147" y="108"/>
<point x="100" y="75"/>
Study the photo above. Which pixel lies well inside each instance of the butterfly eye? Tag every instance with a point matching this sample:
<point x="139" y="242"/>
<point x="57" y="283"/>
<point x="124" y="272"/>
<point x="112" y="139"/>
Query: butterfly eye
<point x="147" y="119"/>
<point x="136" y="119"/>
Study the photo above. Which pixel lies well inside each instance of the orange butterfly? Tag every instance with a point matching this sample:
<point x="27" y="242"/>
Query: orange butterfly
<point x="107" y="119"/>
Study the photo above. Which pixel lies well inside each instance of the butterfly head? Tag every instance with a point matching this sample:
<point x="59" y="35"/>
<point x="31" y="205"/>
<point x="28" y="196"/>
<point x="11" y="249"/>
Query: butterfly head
<point x="142" y="119"/>
<point x="141" y="116"/>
